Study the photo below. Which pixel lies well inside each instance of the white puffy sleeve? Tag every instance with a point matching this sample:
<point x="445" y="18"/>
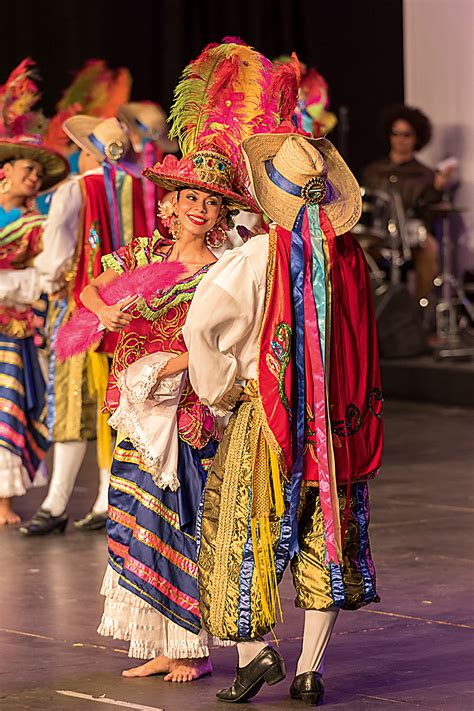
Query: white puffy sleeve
<point x="60" y="236"/>
<point x="19" y="287"/>
<point x="222" y="326"/>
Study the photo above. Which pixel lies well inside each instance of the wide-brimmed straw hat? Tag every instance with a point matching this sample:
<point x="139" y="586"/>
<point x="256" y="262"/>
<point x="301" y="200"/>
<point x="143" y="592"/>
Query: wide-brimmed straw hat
<point x="101" y="138"/>
<point x="290" y="170"/>
<point x="55" y="165"/>
<point x="149" y="120"/>
<point x="205" y="169"/>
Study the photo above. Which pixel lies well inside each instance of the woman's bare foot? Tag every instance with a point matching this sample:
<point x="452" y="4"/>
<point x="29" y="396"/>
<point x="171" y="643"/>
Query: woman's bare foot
<point x="189" y="669"/>
<point x="158" y="665"/>
<point x="7" y="515"/>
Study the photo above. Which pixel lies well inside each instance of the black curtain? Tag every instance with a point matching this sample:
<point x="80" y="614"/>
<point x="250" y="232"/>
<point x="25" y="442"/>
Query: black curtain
<point x="356" y="44"/>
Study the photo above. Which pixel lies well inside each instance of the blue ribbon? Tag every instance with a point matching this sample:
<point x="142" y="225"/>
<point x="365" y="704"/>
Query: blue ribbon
<point x="98" y="144"/>
<point x="318" y="274"/>
<point x="111" y="199"/>
<point x="297" y="267"/>
<point x="278" y="179"/>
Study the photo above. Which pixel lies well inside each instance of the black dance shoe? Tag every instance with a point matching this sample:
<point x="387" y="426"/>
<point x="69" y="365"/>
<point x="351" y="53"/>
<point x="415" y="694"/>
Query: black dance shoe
<point x="268" y="666"/>
<point x="308" y="687"/>
<point x="91" y="522"/>
<point x="43" y="522"/>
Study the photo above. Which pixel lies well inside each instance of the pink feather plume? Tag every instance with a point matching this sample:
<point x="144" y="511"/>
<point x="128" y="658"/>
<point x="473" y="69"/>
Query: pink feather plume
<point x="81" y="332"/>
<point x="285" y="86"/>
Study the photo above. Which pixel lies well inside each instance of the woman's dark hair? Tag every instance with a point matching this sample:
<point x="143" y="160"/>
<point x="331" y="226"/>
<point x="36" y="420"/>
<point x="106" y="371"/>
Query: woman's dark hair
<point x="416" y="118"/>
<point x="8" y="160"/>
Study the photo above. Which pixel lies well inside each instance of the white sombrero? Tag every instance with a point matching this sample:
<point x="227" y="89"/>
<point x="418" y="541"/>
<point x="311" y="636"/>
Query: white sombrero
<point x="102" y="138"/>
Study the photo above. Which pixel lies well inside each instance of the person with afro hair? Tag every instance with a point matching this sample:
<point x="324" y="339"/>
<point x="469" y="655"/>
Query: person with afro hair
<point x="406" y="130"/>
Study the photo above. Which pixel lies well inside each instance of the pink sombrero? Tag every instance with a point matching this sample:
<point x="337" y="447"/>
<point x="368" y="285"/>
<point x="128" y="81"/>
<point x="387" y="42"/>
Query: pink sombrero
<point x="206" y="169"/>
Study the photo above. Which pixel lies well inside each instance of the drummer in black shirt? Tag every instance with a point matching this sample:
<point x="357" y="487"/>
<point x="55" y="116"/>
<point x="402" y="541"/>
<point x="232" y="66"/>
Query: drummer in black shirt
<point x="408" y="130"/>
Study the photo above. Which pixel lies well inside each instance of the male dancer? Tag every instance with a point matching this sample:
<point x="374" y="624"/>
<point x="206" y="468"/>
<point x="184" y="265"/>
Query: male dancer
<point x="90" y="216"/>
<point x="290" y="315"/>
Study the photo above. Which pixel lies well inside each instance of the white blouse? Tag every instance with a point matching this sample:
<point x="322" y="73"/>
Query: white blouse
<point x="61" y="233"/>
<point x="223" y="323"/>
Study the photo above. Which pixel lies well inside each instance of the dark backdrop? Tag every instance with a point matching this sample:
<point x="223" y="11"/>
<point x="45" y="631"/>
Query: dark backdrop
<point x="356" y="44"/>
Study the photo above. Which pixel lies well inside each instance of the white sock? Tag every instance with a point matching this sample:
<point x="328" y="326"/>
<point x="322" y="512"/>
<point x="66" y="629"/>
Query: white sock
<point x="102" y="501"/>
<point x="68" y="457"/>
<point x="249" y="650"/>
<point x="318" y="625"/>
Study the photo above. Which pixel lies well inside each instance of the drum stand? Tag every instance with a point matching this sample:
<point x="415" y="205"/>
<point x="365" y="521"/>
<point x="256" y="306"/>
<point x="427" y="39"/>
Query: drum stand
<point x="399" y="248"/>
<point x="451" y="344"/>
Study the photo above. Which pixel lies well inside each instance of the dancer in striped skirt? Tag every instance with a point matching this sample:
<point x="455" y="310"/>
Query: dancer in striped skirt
<point x="26" y="167"/>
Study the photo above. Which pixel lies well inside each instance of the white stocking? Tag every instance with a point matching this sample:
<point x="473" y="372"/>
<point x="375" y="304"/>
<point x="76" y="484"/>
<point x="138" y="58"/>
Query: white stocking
<point x="249" y="650"/>
<point x="318" y="625"/>
<point x="68" y="457"/>
<point x="102" y="500"/>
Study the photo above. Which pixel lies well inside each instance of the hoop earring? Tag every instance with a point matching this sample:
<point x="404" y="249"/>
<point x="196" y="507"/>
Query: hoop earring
<point x="176" y="228"/>
<point x="5" y="185"/>
<point x="213" y="240"/>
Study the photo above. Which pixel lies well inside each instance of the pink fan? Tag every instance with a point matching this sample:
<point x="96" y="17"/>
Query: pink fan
<point x="84" y="330"/>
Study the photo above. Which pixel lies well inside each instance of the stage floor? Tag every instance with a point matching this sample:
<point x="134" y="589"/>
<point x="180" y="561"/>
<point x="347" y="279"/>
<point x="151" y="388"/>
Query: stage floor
<point x="414" y="650"/>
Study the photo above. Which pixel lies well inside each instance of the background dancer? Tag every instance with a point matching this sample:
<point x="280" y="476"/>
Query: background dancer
<point x="27" y="166"/>
<point x="89" y="215"/>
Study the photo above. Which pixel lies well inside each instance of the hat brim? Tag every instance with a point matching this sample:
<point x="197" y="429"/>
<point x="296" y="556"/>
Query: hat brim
<point x="55" y="166"/>
<point x="79" y="128"/>
<point x="282" y="207"/>
<point x="233" y="199"/>
<point x="128" y="116"/>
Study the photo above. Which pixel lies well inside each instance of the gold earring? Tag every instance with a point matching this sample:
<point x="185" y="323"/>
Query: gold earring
<point x="213" y="240"/>
<point x="176" y="228"/>
<point x="5" y="185"/>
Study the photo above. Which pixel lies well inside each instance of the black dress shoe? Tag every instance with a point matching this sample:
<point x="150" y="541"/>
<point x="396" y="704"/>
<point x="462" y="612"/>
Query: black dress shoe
<point x="268" y="666"/>
<point x="308" y="687"/>
<point x="91" y="522"/>
<point x="43" y="522"/>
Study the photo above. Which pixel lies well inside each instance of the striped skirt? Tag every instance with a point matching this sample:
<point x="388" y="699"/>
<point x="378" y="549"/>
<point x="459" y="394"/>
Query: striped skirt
<point x="151" y="587"/>
<point x="23" y="432"/>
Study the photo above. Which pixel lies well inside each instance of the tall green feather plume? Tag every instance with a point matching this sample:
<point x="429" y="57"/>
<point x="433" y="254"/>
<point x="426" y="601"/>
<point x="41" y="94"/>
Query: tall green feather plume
<point x="191" y="97"/>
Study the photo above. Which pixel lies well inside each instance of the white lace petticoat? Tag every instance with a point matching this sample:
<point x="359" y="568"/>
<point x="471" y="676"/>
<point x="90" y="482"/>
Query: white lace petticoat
<point x="14" y="479"/>
<point x="151" y="634"/>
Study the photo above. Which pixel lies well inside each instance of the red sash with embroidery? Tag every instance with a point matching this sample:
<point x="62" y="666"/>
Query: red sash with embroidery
<point x="352" y="393"/>
<point x="95" y="238"/>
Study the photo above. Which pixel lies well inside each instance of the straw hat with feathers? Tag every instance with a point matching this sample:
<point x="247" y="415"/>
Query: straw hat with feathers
<point x="21" y="126"/>
<point x="225" y="95"/>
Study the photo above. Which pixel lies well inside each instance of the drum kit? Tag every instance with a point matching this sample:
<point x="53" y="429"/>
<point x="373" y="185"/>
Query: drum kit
<point x="388" y="237"/>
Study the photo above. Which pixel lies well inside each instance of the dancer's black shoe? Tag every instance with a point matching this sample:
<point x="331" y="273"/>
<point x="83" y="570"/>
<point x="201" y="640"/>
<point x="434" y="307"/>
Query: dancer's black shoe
<point x="43" y="522"/>
<point x="91" y="522"/>
<point x="268" y="666"/>
<point x="308" y="688"/>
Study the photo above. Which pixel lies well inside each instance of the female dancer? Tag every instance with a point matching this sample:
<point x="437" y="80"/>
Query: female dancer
<point x="150" y="585"/>
<point x="27" y="166"/>
<point x="151" y="582"/>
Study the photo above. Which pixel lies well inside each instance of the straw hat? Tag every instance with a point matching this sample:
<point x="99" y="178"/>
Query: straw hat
<point x="149" y="120"/>
<point x="289" y="170"/>
<point x="102" y="138"/>
<point x="55" y="166"/>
